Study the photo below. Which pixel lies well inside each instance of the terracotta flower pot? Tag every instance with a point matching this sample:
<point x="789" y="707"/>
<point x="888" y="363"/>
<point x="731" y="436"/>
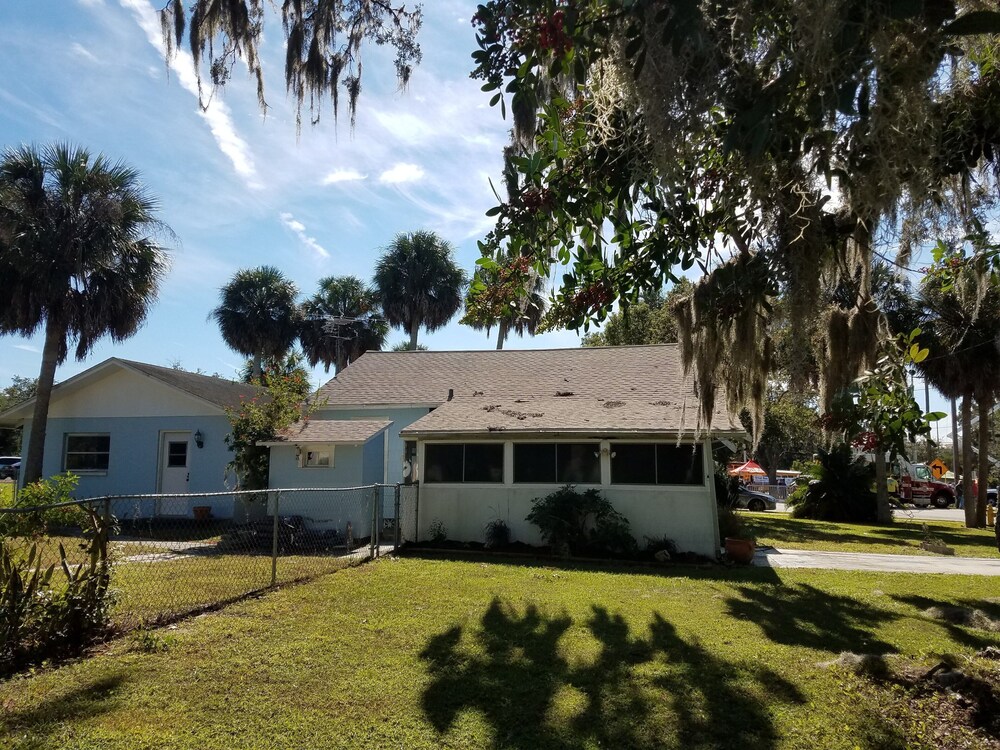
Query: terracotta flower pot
<point x="202" y="512"/>
<point x="740" y="550"/>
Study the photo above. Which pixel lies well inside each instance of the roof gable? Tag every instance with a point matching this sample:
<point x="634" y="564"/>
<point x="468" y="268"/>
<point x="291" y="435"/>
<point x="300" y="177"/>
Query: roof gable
<point x="212" y="394"/>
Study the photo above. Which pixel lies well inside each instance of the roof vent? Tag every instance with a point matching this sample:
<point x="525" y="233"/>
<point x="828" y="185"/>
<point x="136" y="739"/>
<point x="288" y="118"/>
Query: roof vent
<point x="451" y="393"/>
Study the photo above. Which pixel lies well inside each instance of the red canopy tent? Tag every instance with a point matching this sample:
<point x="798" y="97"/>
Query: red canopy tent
<point x="750" y="467"/>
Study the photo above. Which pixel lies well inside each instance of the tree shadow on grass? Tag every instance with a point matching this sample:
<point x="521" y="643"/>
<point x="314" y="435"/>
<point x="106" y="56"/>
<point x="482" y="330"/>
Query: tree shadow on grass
<point x="963" y="635"/>
<point x="51" y="715"/>
<point x="908" y="536"/>
<point x="803" y="615"/>
<point x="636" y="692"/>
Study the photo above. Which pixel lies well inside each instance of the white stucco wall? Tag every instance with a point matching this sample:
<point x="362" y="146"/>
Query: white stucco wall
<point x="686" y="514"/>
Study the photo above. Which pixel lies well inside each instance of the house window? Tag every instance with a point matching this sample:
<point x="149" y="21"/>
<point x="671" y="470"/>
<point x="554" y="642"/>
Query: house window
<point x="87" y="453"/>
<point x="557" y="463"/>
<point x="463" y="462"/>
<point x="177" y="454"/>
<point x="317" y="458"/>
<point x="656" y="463"/>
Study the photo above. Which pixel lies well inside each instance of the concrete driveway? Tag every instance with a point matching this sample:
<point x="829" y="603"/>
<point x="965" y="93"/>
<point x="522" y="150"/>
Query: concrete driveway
<point x="793" y="558"/>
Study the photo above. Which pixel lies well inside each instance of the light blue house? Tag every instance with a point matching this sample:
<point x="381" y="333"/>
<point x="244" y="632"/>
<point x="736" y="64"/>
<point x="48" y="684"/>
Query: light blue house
<point x="129" y="428"/>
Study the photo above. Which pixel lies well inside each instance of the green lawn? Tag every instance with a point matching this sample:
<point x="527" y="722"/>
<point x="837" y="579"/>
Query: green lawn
<point x="902" y="537"/>
<point x="418" y="653"/>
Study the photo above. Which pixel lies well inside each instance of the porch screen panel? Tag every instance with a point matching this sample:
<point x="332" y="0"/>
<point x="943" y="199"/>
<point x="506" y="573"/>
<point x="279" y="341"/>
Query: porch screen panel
<point x="484" y="462"/>
<point x="578" y="463"/>
<point x="443" y="462"/>
<point x="679" y="464"/>
<point x="633" y="463"/>
<point x="535" y="463"/>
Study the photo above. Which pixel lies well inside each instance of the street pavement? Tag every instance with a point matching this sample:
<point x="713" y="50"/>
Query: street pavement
<point x="924" y="514"/>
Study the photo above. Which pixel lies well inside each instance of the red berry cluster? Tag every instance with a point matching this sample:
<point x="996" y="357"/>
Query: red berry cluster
<point x="534" y="199"/>
<point x="866" y="441"/>
<point x="593" y="297"/>
<point x="551" y="33"/>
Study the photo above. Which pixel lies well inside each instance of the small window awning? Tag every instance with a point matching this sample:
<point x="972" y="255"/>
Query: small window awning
<point x="330" y="432"/>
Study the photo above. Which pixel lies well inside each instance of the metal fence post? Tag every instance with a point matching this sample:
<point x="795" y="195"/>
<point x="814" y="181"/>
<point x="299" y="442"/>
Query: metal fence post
<point x="416" y="513"/>
<point x="373" y="543"/>
<point x="395" y="535"/>
<point x="274" y="540"/>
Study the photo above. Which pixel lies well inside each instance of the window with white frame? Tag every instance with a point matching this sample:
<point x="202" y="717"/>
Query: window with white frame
<point x="86" y="453"/>
<point x="557" y="463"/>
<point x="463" y="462"/>
<point x="316" y="457"/>
<point x="657" y="463"/>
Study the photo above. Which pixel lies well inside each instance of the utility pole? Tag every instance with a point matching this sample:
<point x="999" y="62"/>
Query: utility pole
<point x="927" y="408"/>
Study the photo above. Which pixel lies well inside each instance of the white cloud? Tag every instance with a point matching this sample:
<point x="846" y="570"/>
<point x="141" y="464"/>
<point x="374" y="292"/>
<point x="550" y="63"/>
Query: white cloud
<point x="217" y="115"/>
<point x="80" y="51"/>
<point x="343" y="175"/>
<point x="91" y="3"/>
<point x="300" y="231"/>
<point x="402" y="172"/>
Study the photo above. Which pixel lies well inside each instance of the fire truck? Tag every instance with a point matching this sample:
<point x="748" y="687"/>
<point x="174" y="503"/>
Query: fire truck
<point x="918" y="486"/>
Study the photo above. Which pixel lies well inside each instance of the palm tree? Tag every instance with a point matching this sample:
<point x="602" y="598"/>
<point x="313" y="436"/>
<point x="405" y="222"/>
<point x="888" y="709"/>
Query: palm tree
<point x="257" y="314"/>
<point x="78" y="256"/>
<point x="962" y="320"/>
<point x="338" y="323"/>
<point x="419" y="283"/>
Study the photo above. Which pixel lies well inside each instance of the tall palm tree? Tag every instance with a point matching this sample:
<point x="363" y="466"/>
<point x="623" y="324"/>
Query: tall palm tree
<point x="78" y="255"/>
<point x="962" y="324"/>
<point x="339" y="322"/>
<point x="257" y="314"/>
<point x="419" y="283"/>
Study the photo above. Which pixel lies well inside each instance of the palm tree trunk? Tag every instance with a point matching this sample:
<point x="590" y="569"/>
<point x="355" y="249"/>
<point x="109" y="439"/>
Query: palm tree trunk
<point x="256" y="371"/>
<point x="414" y="330"/>
<point x="54" y="335"/>
<point x="882" y="508"/>
<point x="970" y="501"/>
<point x="502" y="334"/>
<point x="984" y="461"/>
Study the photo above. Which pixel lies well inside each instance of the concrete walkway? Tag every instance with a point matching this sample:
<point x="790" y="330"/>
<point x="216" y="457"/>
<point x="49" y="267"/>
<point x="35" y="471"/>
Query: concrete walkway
<point x="792" y="558"/>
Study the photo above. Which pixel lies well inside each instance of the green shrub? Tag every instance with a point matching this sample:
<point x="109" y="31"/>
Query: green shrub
<point x="582" y="523"/>
<point x="54" y="611"/>
<point x="497" y="534"/>
<point x="842" y="490"/>
<point x="42" y="495"/>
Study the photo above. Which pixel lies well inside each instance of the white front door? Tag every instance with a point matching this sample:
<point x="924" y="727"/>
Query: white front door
<point x="174" y="473"/>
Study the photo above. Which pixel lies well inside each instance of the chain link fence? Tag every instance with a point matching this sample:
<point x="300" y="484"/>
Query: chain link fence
<point x="172" y="555"/>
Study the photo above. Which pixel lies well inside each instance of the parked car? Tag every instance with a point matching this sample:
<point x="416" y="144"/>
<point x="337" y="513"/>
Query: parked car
<point x="754" y="500"/>
<point x="991" y="496"/>
<point x="9" y="467"/>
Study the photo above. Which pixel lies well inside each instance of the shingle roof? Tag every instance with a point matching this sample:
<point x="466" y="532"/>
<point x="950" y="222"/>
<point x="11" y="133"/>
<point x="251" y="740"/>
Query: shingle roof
<point x="221" y="392"/>
<point x="572" y="414"/>
<point x="571" y="388"/>
<point x="331" y="431"/>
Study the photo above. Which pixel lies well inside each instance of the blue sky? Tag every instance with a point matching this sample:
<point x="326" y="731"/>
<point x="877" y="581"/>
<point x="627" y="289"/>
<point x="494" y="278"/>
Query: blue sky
<point x="239" y="189"/>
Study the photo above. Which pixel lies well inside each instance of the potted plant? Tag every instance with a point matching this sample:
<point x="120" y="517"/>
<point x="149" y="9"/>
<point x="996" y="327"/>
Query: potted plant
<point x="739" y="547"/>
